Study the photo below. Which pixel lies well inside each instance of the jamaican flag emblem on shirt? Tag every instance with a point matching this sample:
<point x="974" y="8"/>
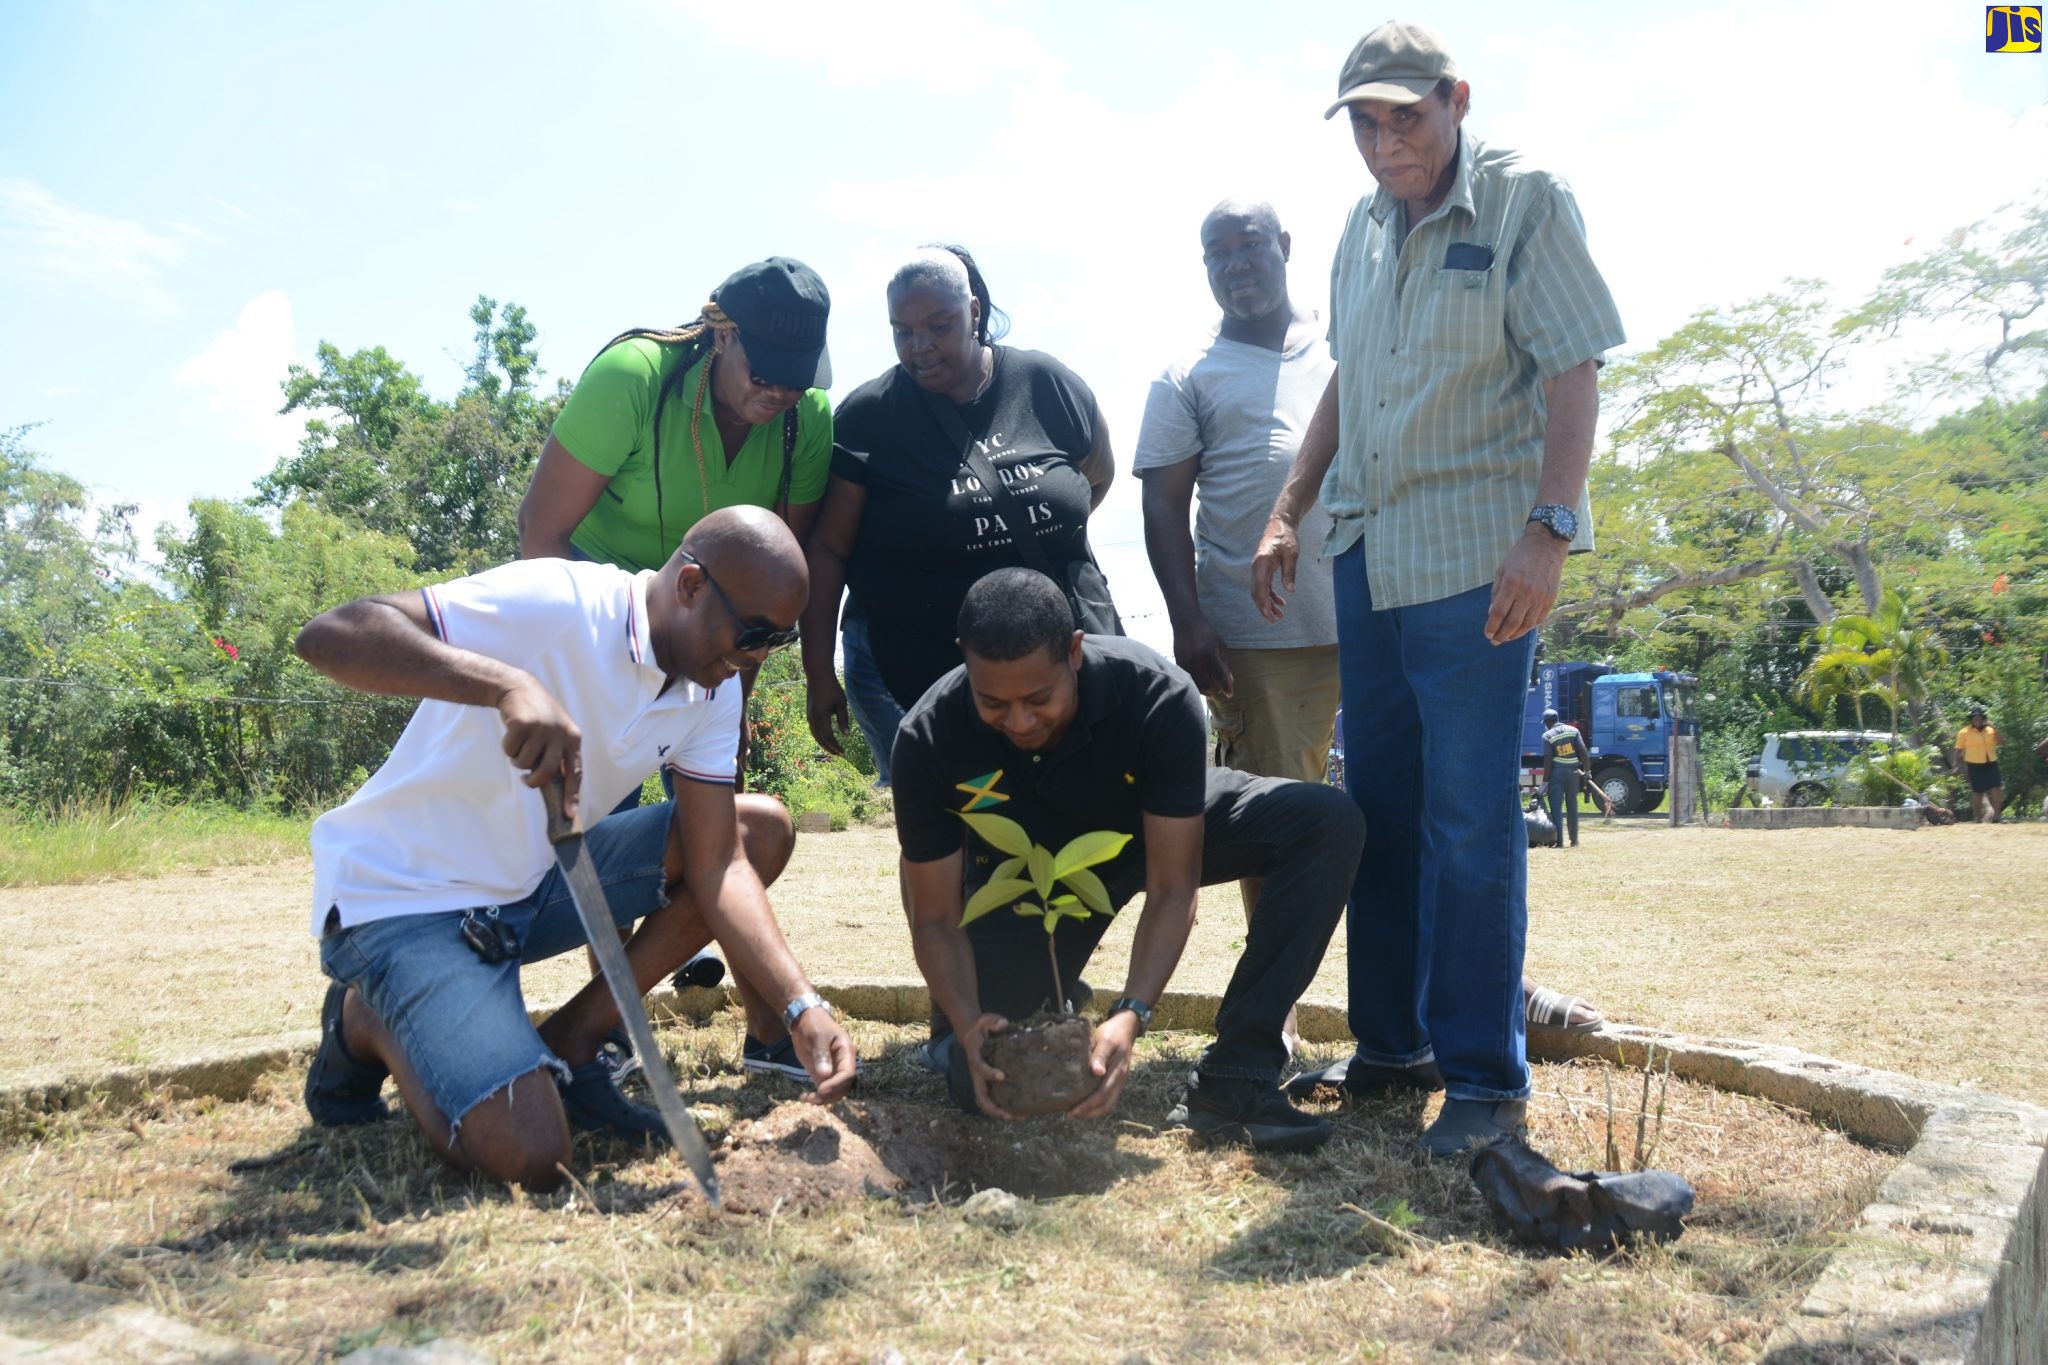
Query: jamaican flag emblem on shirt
<point x="981" y="791"/>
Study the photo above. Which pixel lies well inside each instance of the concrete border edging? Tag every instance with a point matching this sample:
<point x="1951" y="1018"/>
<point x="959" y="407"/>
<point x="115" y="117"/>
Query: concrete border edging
<point x="1825" y="817"/>
<point x="1950" y="1264"/>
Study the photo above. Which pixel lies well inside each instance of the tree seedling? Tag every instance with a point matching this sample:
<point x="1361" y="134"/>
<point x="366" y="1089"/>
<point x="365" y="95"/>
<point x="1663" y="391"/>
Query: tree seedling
<point x="1033" y="871"/>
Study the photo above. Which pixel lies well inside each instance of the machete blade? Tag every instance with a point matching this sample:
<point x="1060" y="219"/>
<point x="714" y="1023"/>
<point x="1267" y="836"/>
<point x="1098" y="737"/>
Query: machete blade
<point x="595" y="911"/>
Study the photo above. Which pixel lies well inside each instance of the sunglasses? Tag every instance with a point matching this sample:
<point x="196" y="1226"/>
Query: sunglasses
<point x="753" y="635"/>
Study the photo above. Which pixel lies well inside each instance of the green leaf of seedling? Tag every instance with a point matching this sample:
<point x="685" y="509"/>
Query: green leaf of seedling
<point x="1086" y="850"/>
<point x="993" y="896"/>
<point x="1051" y="922"/>
<point x="1066" y="900"/>
<point x="1090" y="889"/>
<point x="1002" y="833"/>
<point x="1041" y="870"/>
<point x="1006" y="869"/>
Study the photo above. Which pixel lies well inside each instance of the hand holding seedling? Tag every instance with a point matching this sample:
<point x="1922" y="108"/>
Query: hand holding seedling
<point x="1110" y="1058"/>
<point x="983" y="1074"/>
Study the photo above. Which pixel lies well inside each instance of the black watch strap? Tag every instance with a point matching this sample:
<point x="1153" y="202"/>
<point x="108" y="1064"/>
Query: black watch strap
<point x="1135" y="1006"/>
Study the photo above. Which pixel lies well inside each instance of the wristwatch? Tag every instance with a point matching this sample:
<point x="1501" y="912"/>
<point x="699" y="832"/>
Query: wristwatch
<point x="1556" y="518"/>
<point x="795" y="1009"/>
<point x="1135" y="1006"/>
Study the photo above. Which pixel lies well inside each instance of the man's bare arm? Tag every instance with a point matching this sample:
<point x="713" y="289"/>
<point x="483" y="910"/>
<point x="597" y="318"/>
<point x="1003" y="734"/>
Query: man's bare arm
<point x="946" y="959"/>
<point x="1168" y="495"/>
<point x="1173" y="878"/>
<point x="728" y="893"/>
<point x="387" y="645"/>
<point x="1280" y="547"/>
<point x="1525" y="586"/>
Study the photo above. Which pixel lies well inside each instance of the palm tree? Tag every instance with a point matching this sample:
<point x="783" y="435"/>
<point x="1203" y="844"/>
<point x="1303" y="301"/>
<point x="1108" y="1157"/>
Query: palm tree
<point x="1883" y="654"/>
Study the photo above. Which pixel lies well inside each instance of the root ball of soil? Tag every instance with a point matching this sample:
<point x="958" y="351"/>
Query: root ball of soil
<point x="1045" y="1061"/>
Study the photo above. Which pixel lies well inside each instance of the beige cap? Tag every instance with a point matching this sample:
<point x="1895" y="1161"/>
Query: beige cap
<point x="1396" y="62"/>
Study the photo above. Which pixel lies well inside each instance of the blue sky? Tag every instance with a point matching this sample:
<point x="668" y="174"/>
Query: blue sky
<point x="193" y="195"/>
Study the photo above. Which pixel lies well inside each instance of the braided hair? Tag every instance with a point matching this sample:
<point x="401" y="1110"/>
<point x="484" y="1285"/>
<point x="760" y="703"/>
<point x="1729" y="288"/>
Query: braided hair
<point x="698" y="339"/>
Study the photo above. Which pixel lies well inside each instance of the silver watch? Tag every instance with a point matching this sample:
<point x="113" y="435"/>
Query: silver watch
<point x="1556" y="518"/>
<point x="795" y="1009"/>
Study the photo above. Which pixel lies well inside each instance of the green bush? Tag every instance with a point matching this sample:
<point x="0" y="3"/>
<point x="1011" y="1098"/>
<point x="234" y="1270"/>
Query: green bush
<point x="1886" y="775"/>
<point x="784" y="761"/>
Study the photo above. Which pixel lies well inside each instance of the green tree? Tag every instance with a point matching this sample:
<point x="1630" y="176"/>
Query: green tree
<point x="357" y="406"/>
<point x="444" y="477"/>
<point x="1992" y="273"/>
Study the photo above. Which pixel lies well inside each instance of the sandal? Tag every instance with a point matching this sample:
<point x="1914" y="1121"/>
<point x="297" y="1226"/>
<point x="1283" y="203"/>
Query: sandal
<point x="1545" y="1008"/>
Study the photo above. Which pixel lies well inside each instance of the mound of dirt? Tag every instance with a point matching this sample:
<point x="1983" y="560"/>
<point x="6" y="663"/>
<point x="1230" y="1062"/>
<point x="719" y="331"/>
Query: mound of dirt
<point x="802" y="1156"/>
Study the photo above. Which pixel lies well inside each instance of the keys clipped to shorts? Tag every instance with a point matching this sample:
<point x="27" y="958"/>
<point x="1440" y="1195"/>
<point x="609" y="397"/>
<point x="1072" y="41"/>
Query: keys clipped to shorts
<point x="489" y="937"/>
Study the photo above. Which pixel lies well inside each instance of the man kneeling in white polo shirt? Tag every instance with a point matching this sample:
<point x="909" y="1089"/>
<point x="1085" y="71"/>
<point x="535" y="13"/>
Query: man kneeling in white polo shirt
<point x="436" y="881"/>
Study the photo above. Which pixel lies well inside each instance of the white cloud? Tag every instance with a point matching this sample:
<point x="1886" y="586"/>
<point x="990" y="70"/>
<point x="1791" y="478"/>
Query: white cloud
<point x="937" y="44"/>
<point x="44" y="237"/>
<point x="238" y="374"/>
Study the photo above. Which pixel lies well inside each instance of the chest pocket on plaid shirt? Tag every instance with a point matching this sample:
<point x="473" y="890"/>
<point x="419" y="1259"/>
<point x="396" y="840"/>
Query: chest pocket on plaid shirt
<point x="1461" y="314"/>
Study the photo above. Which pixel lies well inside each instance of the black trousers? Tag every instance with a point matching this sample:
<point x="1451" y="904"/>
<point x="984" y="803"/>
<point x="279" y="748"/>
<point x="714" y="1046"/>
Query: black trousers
<point x="1303" y="838"/>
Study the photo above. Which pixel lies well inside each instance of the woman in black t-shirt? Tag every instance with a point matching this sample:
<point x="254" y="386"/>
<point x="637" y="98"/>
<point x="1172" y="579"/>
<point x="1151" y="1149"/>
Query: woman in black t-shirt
<point x="905" y="526"/>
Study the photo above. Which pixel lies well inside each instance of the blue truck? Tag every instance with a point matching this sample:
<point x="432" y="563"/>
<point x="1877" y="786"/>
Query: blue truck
<point x="1627" y="719"/>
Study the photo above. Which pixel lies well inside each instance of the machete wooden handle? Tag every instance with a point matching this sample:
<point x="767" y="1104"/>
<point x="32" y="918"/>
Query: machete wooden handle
<point x="560" y="827"/>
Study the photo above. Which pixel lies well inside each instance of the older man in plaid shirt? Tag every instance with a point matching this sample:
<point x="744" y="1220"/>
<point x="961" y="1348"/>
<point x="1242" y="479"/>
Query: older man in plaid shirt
<point x="1450" y="451"/>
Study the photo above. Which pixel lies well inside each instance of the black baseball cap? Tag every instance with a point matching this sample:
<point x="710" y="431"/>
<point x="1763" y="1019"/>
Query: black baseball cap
<point x="780" y="306"/>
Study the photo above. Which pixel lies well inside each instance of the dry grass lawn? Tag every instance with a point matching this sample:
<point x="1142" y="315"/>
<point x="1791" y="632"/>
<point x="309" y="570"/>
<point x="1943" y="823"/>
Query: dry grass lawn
<point x="849" y="1235"/>
<point x="1924" y="952"/>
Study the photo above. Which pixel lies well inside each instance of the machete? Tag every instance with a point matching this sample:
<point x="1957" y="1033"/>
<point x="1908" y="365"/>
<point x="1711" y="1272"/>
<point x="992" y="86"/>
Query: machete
<point x="595" y="912"/>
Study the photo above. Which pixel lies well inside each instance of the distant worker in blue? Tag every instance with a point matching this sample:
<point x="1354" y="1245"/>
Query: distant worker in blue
<point x="1565" y="763"/>
<point x="1467" y="322"/>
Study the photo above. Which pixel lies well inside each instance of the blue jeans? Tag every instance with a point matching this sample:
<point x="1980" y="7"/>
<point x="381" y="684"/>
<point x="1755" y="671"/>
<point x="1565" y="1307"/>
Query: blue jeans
<point x="874" y="707"/>
<point x="1561" y="795"/>
<point x="1439" y="911"/>
<point x="462" y="1021"/>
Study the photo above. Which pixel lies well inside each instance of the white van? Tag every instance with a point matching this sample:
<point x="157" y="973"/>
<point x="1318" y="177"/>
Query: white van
<point x="1800" y="767"/>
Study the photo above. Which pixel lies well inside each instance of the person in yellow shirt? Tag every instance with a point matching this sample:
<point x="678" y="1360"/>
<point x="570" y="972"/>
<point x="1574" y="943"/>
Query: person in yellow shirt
<point x="1977" y="751"/>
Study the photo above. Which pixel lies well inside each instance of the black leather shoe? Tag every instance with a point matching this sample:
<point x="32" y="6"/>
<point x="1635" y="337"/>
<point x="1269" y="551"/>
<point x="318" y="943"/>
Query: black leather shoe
<point x="1352" y="1079"/>
<point x="341" y="1091"/>
<point x="1245" y="1114"/>
<point x="1465" y="1124"/>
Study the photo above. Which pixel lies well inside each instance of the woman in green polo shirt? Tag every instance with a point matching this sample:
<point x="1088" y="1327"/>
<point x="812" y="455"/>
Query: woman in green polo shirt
<point x="666" y="426"/>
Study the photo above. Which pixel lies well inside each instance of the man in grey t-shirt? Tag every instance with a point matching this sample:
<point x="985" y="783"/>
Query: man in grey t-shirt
<point x="1221" y="427"/>
<point x="1224" y="423"/>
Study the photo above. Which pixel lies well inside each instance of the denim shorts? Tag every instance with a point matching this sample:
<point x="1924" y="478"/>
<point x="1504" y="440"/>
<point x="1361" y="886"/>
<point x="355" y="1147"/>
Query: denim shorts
<point x="462" y="1021"/>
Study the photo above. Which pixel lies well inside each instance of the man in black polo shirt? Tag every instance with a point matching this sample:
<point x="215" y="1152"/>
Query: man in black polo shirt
<point x="1067" y="734"/>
